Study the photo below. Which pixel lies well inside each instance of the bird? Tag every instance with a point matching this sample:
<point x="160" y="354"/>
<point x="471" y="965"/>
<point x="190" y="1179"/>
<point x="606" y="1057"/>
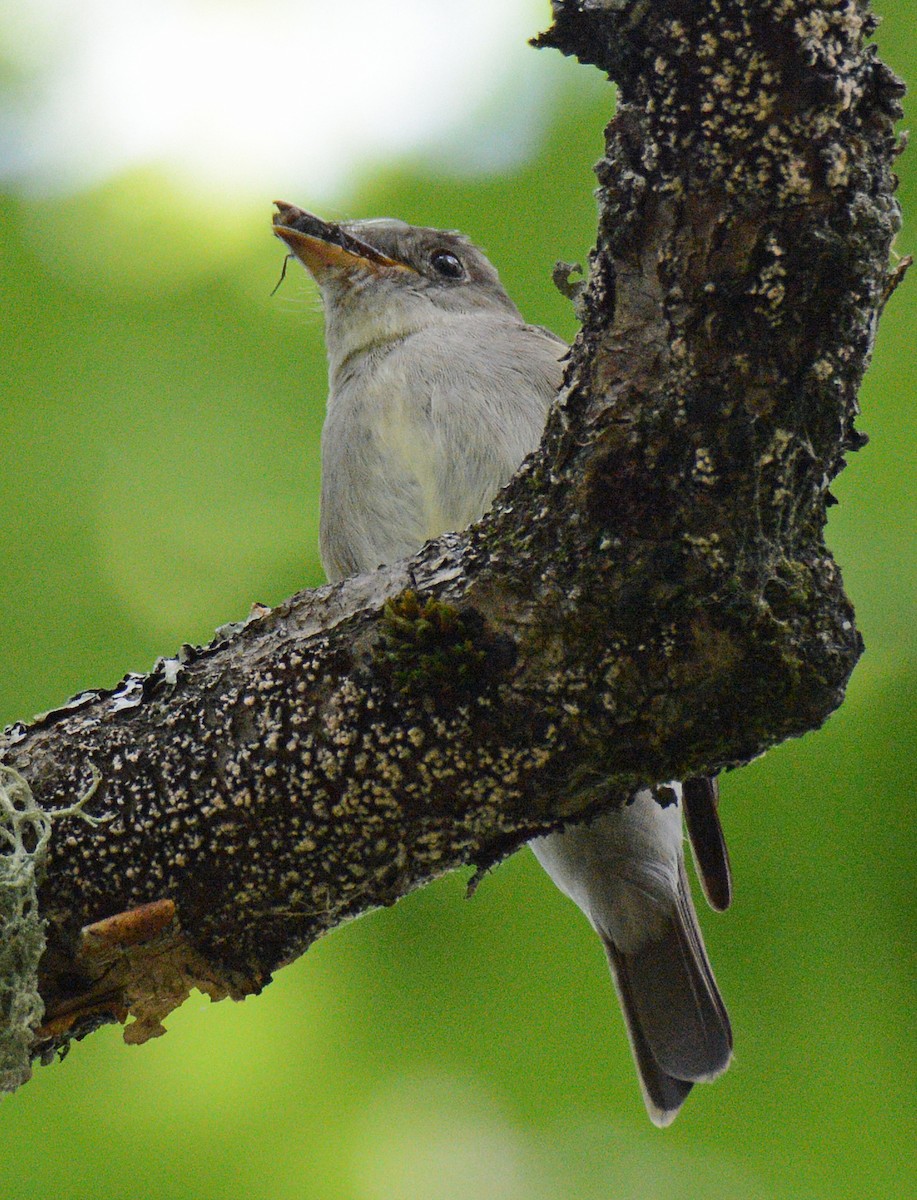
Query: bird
<point x="438" y="390"/>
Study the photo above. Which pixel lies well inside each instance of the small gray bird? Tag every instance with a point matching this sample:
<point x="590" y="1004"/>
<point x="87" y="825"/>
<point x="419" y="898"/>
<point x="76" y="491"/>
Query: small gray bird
<point x="438" y="391"/>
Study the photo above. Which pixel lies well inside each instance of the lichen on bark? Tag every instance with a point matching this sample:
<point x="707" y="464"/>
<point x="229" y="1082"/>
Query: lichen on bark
<point x="650" y="598"/>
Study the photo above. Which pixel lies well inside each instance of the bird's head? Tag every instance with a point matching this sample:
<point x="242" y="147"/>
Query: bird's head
<point x="383" y="279"/>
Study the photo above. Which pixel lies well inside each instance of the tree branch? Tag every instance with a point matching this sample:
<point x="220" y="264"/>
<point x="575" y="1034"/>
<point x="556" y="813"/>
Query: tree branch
<point x="650" y="598"/>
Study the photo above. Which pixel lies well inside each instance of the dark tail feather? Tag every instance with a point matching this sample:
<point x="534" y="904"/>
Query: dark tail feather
<point x="663" y="1094"/>
<point x="711" y="855"/>
<point x="678" y="1026"/>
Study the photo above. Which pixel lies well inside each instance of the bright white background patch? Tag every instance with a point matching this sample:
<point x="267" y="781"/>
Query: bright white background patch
<point x="234" y="94"/>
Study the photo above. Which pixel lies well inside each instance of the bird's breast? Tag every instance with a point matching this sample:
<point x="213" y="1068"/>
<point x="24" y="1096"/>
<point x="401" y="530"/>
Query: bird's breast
<point x="401" y="423"/>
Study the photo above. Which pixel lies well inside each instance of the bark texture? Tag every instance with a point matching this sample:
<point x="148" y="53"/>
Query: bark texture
<point x="650" y="598"/>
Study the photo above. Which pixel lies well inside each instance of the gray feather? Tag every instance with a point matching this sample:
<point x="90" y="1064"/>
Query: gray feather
<point x="708" y="844"/>
<point x="407" y="455"/>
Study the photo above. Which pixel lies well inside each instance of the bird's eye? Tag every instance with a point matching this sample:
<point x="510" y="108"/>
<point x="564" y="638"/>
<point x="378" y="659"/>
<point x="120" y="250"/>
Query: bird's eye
<point x="446" y="264"/>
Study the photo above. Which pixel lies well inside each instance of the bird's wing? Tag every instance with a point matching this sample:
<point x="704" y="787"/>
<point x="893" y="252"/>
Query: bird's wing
<point x="708" y="843"/>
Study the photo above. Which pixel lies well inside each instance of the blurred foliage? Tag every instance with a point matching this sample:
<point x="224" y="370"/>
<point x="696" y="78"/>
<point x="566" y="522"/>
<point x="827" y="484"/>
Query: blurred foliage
<point x="160" y="421"/>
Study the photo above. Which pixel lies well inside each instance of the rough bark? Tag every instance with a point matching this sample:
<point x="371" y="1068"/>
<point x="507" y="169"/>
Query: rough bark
<point x="650" y="598"/>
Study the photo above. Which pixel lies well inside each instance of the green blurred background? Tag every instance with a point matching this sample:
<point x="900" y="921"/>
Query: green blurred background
<point x="160" y="421"/>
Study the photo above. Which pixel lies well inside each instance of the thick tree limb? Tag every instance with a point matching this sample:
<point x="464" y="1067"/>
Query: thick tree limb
<point x="650" y="598"/>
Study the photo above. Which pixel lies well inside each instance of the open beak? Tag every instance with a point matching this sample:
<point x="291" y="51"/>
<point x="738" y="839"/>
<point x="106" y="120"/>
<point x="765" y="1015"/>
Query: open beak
<point x="323" y="247"/>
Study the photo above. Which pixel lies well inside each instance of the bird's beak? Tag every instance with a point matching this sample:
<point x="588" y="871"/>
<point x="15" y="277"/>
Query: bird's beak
<point x="324" y="248"/>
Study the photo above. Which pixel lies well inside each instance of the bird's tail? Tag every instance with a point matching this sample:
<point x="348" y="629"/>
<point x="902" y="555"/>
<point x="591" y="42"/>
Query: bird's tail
<point x="677" y="1023"/>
